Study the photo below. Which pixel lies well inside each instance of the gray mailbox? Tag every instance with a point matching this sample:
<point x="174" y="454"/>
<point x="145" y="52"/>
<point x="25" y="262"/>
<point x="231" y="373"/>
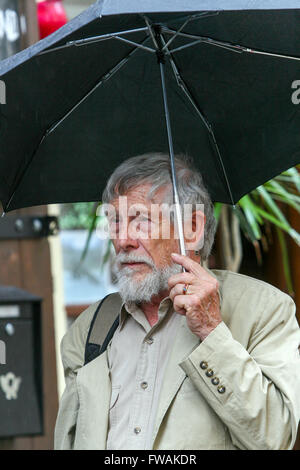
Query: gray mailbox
<point x="21" y="408"/>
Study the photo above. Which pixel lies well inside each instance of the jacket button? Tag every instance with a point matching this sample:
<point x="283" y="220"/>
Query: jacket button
<point x="221" y="389"/>
<point x="209" y="373"/>
<point x="203" y="365"/>
<point x="137" y="430"/>
<point x="215" y="381"/>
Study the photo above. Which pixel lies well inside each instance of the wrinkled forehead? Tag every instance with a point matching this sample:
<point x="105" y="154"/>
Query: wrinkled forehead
<point x="143" y="194"/>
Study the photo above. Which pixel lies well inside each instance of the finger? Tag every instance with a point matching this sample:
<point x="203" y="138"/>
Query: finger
<point x="178" y="289"/>
<point x="184" y="302"/>
<point x="176" y="306"/>
<point x="199" y="272"/>
<point x="181" y="278"/>
<point x="189" y="264"/>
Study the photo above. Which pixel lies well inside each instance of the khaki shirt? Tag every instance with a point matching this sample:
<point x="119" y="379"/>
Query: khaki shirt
<point x="137" y="357"/>
<point x="238" y="389"/>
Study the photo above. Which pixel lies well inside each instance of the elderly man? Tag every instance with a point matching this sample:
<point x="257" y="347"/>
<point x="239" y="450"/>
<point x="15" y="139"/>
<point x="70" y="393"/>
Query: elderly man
<point x="200" y="359"/>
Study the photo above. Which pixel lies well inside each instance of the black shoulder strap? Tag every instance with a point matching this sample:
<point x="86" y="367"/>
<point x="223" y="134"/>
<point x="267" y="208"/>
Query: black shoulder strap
<point x="103" y="325"/>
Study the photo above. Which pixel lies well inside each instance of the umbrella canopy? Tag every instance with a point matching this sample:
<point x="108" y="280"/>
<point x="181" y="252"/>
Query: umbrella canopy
<point x="90" y="95"/>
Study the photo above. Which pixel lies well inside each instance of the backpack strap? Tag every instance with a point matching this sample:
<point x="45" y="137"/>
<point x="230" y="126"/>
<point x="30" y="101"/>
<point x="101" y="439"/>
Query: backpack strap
<point x="103" y="326"/>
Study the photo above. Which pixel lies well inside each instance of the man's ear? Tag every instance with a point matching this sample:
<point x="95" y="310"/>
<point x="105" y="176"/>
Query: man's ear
<point x="194" y="231"/>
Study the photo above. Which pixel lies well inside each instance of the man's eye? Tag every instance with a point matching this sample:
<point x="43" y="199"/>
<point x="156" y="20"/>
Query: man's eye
<point x="144" y="218"/>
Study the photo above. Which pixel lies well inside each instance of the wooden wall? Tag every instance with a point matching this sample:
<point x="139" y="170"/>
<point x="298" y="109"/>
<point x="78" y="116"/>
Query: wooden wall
<point x="26" y="264"/>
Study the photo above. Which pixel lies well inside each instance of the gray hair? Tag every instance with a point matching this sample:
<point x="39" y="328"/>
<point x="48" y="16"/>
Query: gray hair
<point x="154" y="168"/>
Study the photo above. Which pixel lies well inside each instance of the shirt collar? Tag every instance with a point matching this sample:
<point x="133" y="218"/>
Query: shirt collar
<point x="133" y="309"/>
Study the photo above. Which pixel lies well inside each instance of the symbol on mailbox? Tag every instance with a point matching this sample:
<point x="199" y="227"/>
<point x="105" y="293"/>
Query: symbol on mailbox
<point x="10" y="385"/>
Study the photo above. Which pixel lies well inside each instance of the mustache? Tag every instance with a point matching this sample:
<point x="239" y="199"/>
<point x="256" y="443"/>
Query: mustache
<point x="131" y="258"/>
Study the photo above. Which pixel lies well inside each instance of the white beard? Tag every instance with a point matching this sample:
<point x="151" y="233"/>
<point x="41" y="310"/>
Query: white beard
<point x="151" y="284"/>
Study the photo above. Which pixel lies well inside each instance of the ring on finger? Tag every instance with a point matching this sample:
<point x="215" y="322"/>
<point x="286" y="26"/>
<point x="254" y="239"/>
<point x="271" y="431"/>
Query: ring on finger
<point x="185" y="289"/>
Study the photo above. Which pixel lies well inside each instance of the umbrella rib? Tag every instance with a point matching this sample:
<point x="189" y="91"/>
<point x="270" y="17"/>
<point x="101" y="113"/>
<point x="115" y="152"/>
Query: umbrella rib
<point x="184" y="88"/>
<point x="148" y="49"/>
<point x="22" y="174"/>
<point x="204" y="39"/>
<point x="176" y="34"/>
<point x="229" y="46"/>
<point x="92" y="39"/>
<point x="103" y="79"/>
<point x="208" y="126"/>
<point x="201" y="41"/>
<point x="280" y="56"/>
<point x="147" y="21"/>
<point x="204" y="14"/>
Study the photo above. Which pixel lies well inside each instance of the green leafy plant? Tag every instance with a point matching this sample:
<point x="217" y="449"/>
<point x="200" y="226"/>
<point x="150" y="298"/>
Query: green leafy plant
<point x="265" y="207"/>
<point x="78" y="215"/>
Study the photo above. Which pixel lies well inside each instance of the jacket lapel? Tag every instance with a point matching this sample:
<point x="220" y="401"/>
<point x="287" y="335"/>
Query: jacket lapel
<point x="185" y="342"/>
<point x="94" y="390"/>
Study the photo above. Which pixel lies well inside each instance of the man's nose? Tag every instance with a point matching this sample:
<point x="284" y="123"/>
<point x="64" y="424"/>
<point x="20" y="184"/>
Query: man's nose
<point x="125" y="240"/>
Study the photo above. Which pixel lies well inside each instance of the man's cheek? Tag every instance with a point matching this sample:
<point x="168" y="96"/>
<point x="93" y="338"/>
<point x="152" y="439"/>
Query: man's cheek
<point x="136" y="231"/>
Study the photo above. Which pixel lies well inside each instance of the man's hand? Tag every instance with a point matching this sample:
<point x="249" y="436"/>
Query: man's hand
<point x="200" y="304"/>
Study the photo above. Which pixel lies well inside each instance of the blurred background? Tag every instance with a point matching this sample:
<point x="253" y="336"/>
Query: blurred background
<point x="48" y="277"/>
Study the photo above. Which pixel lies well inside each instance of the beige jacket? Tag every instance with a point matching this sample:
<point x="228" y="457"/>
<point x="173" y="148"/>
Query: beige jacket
<point x="253" y="352"/>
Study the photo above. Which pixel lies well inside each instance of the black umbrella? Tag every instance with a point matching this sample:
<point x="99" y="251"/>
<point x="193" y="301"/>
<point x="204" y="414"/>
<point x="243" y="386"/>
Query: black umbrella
<point x="221" y="74"/>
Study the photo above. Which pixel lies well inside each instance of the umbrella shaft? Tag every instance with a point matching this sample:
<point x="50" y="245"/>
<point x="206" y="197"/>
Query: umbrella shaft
<point x="173" y="172"/>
